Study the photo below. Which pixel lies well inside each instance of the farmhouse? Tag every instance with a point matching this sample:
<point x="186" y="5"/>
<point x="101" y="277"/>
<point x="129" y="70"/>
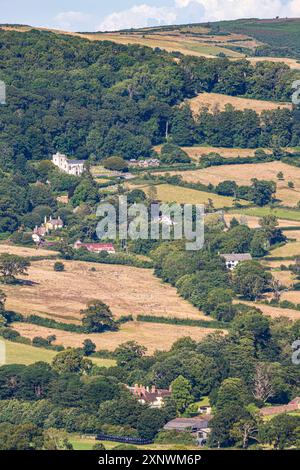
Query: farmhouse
<point x="198" y="426"/>
<point x="233" y="259"/>
<point x="71" y="167"/>
<point x="96" y="247"/>
<point x="294" y="405"/>
<point x="152" y="396"/>
<point x="47" y="227"/>
<point x="150" y="162"/>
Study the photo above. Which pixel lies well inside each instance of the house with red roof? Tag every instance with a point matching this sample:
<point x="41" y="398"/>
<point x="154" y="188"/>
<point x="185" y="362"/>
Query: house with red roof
<point x="96" y="247"/>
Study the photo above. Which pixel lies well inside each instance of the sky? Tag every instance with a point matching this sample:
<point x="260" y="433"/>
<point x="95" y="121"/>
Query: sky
<point x="112" y="15"/>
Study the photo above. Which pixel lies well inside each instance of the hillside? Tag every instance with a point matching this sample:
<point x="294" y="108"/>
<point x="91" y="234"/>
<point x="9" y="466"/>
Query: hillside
<point x="276" y="39"/>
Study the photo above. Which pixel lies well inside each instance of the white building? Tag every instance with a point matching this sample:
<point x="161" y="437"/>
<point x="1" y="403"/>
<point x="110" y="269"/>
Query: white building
<point x="233" y="259"/>
<point x="72" y="167"/>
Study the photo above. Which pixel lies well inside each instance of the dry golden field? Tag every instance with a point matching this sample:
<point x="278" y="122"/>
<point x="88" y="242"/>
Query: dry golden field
<point x="253" y="222"/>
<point x="243" y="173"/>
<point x="292" y="63"/>
<point x="291" y="296"/>
<point x="276" y="312"/>
<point x="127" y="290"/>
<point x="195" y="153"/>
<point x="171" y="193"/>
<point x="25" y="251"/>
<point x="153" y="336"/>
<point x="286" y="278"/>
<point x="290" y="249"/>
<point x="216" y="102"/>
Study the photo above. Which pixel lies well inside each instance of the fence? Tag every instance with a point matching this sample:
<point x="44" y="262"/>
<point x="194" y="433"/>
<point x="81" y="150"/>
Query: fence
<point x="124" y="440"/>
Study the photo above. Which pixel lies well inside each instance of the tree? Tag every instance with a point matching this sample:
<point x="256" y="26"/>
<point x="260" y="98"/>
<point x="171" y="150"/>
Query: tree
<point x="97" y="318"/>
<point x="115" y="164"/>
<point x="244" y="430"/>
<point x="56" y="439"/>
<point x="232" y="392"/>
<point x="259" y="244"/>
<point x="282" y="431"/>
<point x="152" y="192"/>
<point x="263" y="388"/>
<point x="181" y="393"/>
<point x="150" y="422"/>
<point x="12" y="266"/>
<point x="86" y="192"/>
<point x="71" y="360"/>
<point x="128" y="353"/>
<point x="171" y="153"/>
<point x="262" y="192"/>
<point x="20" y="437"/>
<point x="59" y="266"/>
<point x="2" y="301"/>
<point x="250" y="280"/>
<point x="88" y="347"/>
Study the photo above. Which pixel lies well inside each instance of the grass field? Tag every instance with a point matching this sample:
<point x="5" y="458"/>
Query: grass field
<point x="217" y="102"/>
<point x="17" y="353"/>
<point x="243" y="173"/>
<point x="80" y="443"/>
<point x="280" y="213"/>
<point x="153" y="336"/>
<point x="127" y="290"/>
<point x="171" y="193"/>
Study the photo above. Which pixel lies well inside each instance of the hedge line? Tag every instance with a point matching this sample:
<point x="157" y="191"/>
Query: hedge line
<point x="183" y="321"/>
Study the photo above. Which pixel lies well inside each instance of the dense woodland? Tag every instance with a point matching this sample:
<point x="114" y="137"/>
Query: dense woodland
<point x="96" y="99"/>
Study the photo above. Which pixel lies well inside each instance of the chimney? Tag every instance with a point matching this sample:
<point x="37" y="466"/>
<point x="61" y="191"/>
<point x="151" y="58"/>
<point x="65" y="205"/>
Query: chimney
<point x="153" y="389"/>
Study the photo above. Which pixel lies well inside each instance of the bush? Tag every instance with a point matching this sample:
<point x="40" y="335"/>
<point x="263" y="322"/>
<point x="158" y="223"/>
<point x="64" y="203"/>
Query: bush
<point x="59" y="266"/>
<point x="9" y="334"/>
<point x="115" y="164"/>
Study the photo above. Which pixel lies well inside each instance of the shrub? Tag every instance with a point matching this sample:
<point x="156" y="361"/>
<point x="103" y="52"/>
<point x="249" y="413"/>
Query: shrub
<point x="59" y="266"/>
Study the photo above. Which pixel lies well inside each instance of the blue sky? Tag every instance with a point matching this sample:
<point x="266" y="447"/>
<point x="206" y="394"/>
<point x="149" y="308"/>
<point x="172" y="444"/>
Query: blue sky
<point x="96" y="15"/>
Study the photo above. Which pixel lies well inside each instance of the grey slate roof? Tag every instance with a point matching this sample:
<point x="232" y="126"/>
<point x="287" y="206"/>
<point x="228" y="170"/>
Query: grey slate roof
<point x="237" y="257"/>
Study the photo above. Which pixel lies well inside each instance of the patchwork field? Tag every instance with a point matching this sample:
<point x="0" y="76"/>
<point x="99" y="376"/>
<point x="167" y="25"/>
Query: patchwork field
<point x="171" y="193"/>
<point x="243" y="173"/>
<point x="17" y="353"/>
<point x="217" y="102"/>
<point x="126" y="290"/>
<point x="153" y="336"/>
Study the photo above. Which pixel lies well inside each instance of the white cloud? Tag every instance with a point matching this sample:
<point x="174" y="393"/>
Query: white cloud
<point x="182" y="11"/>
<point x="137" y="17"/>
<point x="73" y="20"/>
<point x="215" y="10"/>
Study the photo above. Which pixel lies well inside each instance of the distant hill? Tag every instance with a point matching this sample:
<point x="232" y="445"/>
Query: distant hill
<point x="251" y="38"/>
